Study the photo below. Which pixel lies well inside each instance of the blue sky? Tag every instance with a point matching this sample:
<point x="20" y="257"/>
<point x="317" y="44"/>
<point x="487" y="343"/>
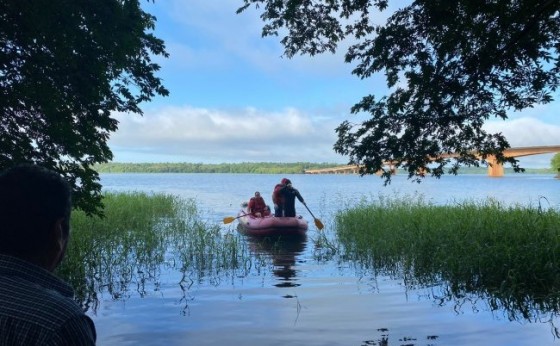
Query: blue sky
<point x="234" y="98"/>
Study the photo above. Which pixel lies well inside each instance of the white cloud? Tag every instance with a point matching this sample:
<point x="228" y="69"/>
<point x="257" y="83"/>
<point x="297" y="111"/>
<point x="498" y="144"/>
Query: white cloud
<point x="210" y="136"/>
<point x="528" y="132"/>
<point x="525" y="132"/>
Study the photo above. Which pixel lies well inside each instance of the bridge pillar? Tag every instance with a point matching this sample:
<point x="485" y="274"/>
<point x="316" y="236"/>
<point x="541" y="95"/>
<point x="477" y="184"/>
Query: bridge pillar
<point x="495" y="169"/>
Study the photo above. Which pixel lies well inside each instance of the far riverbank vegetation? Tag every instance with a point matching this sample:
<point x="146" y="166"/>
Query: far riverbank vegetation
<point x="257" y="168"/>
<point x="186" y="167"/>
<point x="507" y="256"/>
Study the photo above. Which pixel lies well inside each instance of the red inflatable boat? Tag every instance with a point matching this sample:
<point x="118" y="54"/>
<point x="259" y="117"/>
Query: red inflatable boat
<point x="271" y="225"/>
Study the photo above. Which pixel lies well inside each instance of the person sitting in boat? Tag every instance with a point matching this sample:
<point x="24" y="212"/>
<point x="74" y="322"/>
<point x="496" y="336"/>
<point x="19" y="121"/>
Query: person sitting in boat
<point x="284" y="197"/>
<point x="257" y="206"/>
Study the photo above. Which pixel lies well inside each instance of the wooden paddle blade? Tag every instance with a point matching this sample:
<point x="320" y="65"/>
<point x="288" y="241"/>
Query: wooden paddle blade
<point x="319" y="224"/>
<point x="229" y="219"/>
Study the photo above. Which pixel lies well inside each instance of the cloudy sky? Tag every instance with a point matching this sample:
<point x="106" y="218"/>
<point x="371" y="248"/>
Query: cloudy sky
<point x="234" y="98"/>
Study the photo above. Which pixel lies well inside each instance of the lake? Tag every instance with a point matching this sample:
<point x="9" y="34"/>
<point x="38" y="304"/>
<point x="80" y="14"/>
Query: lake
<point x="302" y="298"/>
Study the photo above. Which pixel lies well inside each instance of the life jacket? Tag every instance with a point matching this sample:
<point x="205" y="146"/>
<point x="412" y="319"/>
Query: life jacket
<point x="257" y="205"/>
<point x="277" y="197"/>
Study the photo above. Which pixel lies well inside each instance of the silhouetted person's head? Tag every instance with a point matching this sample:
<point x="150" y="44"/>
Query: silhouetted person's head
<point x="35" y="207"/>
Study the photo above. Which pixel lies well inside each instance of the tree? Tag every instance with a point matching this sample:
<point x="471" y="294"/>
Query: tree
<point x="64" y="67"/>
<point x="449" y="66"/>
<point x="555" y="162"/>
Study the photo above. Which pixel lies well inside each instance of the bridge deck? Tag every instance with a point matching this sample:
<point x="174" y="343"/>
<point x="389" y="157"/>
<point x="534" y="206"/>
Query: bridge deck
<point x="494" y="169"/>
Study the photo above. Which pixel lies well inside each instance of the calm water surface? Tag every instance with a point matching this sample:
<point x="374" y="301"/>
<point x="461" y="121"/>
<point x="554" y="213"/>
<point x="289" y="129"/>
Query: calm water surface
<point x="302" y="300"/>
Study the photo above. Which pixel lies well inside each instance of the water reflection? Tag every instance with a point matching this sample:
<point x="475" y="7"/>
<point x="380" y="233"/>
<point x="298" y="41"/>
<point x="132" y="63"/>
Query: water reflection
<point x="178" y="260"/>
<point x="531" y="300"/>
<point x="142" y="262"/>
<point x="284" y="252"/>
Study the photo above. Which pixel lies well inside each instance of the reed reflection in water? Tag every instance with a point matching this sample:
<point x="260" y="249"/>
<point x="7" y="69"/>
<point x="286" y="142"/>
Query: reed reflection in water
<point x="141" y="237"/>
<point x="477" y="256"/>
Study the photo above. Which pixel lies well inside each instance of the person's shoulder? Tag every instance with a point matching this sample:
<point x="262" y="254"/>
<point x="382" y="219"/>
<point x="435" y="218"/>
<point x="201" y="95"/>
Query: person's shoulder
<point x="31" y="301"/>
<point x="35" y="298"/>
<point x="66" y="305"/>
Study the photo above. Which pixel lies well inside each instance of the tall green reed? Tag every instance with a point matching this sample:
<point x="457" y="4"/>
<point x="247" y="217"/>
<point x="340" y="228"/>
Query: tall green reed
<point x="509" y="254"/>
<point x="140" y="236"/>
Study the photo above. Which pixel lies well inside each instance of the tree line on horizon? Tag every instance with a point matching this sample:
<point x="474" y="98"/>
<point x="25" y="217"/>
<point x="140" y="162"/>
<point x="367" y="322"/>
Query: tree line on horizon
<point x="187" y="167"/>
<point x="252" y="168"/>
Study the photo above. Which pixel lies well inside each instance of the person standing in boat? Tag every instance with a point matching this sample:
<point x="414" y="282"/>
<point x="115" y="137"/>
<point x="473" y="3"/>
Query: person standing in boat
<point x="257" y="207"/>
<point x="284" y="198"/>
<point x="290" y="195"/>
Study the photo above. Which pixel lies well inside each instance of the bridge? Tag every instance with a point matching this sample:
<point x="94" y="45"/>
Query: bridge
<point x="495" y="169"/>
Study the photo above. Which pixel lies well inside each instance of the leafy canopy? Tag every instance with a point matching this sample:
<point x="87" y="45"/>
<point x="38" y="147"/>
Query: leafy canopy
<point x="64" y="67"/>
<point x="449" y="67"/>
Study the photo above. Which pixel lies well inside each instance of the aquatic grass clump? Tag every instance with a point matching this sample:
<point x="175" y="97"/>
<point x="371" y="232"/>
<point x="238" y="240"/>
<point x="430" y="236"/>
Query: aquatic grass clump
<point x="205" y="253"/>
<point x="141" y="236"/>
<point x="509" y="252"/>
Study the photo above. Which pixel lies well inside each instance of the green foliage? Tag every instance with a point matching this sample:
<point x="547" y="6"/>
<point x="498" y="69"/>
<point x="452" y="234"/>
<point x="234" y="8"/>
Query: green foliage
<point x="509" y="254"/>
<point x="64" y="67"/>
<point x="449" y="66"/>
<point x="140" y="236"/>
<point x="185" y="167"/>
<point x="555" y="163"/>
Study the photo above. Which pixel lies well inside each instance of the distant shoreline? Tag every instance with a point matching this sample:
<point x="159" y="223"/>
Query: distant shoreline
<point x="259" y="168"/>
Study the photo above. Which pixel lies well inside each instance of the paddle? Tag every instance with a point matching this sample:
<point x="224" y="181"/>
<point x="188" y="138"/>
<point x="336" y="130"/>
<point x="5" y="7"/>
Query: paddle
<point x="230" y="219"/>
<point x="318" y="222"/>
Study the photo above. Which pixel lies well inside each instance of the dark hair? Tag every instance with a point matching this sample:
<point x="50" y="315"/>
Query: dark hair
<point x="285" y="181"/>
<point x="32" y="199"/>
